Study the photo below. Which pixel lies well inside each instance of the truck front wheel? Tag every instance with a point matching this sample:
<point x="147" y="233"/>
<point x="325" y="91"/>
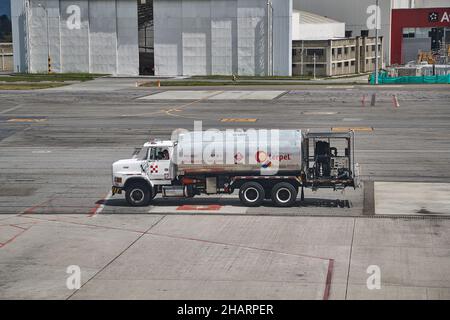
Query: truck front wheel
<point x="284" y="194"/>
<point x="138" y="194"/>
<point x="251" y="194"/>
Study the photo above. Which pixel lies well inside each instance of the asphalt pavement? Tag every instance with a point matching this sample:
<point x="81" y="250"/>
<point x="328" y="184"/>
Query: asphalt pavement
<point x="56" y="151"/>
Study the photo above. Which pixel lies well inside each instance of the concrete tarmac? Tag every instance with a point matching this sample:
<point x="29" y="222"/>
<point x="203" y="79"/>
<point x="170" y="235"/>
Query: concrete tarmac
<point x="56" y="151"/>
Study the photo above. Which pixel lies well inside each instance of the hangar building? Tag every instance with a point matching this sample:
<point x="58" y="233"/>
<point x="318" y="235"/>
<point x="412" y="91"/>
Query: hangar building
<point x="199" y="37"/>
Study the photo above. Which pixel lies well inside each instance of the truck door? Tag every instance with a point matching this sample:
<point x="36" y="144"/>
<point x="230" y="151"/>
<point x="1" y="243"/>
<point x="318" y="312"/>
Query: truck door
<point x="159" y="163"/>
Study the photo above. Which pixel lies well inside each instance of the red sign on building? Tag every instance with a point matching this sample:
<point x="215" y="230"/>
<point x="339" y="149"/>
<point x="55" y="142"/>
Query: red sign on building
<point x="414" y="18"/>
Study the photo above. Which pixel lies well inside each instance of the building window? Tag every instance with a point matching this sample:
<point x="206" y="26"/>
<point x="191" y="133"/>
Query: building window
<point x="339" y="51"/>
<point x="409" y="32"/>
<point x="345" y="50"/>
<point x="312" y="52"/>
<point x="332" y="52"/>
<point x="339" y="64"/>
<point x="353" y="49"/>
<point x="364" y="33"/>
<point x="352" y="62"/>
<point x="346" y="64"/>
<point x="348" y="33"/>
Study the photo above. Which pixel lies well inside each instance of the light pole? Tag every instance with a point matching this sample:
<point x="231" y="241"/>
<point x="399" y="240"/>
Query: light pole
<point x="376" y="42"/>
<point x="269" y="38"/>
<point x="48" y="37"/>
<point x="314" y="59"/>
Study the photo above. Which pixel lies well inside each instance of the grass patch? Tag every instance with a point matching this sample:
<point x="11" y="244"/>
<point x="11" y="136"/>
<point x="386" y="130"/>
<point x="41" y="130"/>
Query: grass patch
<point x="53" y="77"/>
<point x="30" y="86"/>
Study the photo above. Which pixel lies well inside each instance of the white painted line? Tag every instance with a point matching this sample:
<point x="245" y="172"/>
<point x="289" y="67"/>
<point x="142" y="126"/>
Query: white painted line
<point x="99" y="208"/>
<point x="318" y="113"/>
<point x="352" y="119"/>
<point x="340" y="87"/>
<point x="384" y="86"/>
<point x="247" y="95"/>
<point x="181" y="95"/>
<point x="10" y="109"/>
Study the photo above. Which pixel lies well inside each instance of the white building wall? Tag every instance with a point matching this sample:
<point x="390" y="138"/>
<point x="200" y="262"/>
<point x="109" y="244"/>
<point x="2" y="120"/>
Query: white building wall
<point x="105" y="42"/>
<point x="431" y="3"/>
<point x="282" y="37"/>
<point x="74" y="44"/>
<point x="405" y="4"/>
<point x="127" y="38"/>
<point x="200" y="37"/>
<point x="223" y="37"/>
<point x="354" y="14"/>
<point x="20" y="37"/>
<point x="103" y="36"/>
<point x="168" y="37"/>
<point x="316" y="31"/>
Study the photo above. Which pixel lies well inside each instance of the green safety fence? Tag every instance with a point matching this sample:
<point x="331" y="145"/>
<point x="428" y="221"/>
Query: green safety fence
<point x="383" y="78"/>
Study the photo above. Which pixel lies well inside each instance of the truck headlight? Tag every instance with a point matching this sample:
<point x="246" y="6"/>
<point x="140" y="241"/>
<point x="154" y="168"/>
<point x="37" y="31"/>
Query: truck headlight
<point x="117" y="180"/>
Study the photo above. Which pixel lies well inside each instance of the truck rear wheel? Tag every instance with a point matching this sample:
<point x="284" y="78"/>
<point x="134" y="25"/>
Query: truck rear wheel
<point x="138" y="194"/>
<point x="251" y="194"/>
<point x="284" y="194"/>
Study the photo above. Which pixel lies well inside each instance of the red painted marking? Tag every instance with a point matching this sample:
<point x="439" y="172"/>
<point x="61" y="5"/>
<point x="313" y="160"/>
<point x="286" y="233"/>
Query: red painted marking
<point x="15" y="237"/>
<point x="212" y="207"/>
<point x="31" y="209"/>
<point x="326" y="294"/>
<point x="94" y="209"/>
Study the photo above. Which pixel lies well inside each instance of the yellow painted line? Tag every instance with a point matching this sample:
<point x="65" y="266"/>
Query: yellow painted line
<point x="238" y="120"/>
<point x="346" y="129"/>
<point x="26" y="120"/>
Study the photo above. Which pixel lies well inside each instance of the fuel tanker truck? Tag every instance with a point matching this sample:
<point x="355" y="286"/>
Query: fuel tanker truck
<point x="259" y="164"/>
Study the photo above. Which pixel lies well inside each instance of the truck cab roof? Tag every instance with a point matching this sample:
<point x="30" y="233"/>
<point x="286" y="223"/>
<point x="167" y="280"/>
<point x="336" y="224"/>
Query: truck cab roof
<point x="159" y="143"/>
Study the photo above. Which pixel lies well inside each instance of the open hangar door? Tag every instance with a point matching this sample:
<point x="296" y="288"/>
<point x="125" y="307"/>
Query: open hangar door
<point x="146" y="36"/>
<point x="433" y="40"/>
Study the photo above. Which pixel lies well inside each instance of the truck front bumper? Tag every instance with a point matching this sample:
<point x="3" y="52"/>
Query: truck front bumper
<point x="116" y="190"/>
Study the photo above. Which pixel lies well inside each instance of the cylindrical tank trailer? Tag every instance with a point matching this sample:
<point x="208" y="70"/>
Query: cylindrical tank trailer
<point x="253" y="152"/>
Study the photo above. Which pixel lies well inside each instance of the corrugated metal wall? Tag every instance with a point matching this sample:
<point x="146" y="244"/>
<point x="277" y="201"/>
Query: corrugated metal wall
<point x="106" y="42"/>
<point x="202" y="37"/>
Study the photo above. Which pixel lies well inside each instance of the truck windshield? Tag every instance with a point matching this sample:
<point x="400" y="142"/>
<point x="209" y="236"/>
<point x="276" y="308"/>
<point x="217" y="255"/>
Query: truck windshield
<point x="143" y="154"/>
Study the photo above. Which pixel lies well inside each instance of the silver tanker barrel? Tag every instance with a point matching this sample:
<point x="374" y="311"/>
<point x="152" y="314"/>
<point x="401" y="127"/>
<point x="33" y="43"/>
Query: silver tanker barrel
<point x="250" y="152"/>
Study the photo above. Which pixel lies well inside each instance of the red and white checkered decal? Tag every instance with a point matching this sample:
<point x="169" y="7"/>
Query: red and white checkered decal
<point x="153" y="168"/>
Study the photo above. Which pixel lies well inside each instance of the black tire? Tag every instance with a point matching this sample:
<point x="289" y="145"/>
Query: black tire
<point x="153" y="193"/>
<point x="251" y="194"/>
<point x="138" y="194"/>
<point x="284" y="194"/>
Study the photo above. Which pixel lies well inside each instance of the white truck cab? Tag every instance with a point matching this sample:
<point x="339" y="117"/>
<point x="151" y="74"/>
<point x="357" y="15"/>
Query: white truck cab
<point x="151" y="166"/>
